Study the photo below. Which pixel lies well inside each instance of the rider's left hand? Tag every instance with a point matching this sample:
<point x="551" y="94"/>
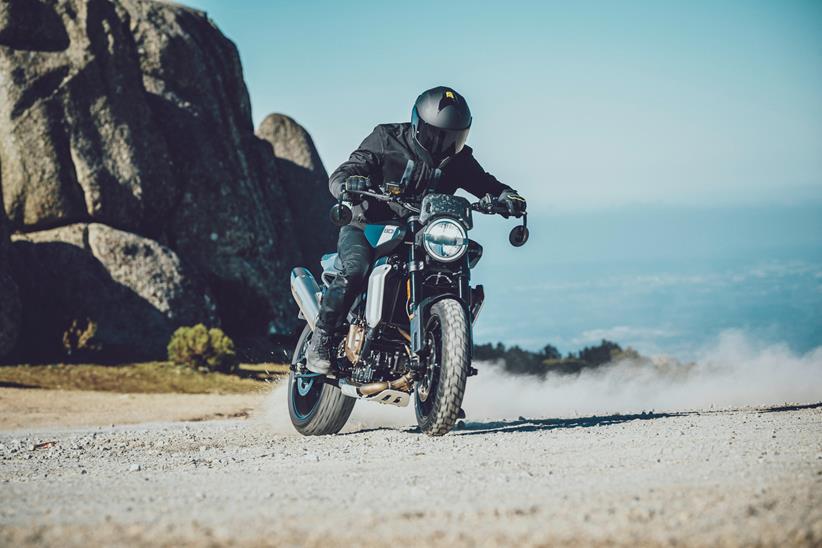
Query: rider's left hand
<point x="516" y="204"/>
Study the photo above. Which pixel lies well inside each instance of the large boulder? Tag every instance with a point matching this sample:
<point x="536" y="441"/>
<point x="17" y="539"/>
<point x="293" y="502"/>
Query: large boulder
<point x="9" y="300"/>
<point x="232" y="219"/>
<point x="93" y="290"/>
<point x="305" y="181"/>
<point x="79" y="142"/>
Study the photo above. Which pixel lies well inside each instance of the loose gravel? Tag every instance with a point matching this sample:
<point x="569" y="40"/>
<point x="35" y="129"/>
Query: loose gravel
<point x="735" y="477"/>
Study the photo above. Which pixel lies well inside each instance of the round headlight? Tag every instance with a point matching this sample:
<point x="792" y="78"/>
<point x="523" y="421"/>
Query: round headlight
<point x="445" y="240"/>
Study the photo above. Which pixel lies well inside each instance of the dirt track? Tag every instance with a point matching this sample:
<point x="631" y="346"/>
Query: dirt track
<point x="33" y="408"/>
<point x="734" y="477"/>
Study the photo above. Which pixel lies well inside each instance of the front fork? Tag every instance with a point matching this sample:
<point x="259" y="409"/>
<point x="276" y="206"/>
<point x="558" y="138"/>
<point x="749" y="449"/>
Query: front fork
<point x="470" y="298"/>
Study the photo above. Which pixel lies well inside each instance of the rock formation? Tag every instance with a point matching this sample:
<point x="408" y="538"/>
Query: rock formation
<point x="129" y="159"/>
<point x="90" y="288"/>
<point x="232" y="217"/>
<point x="305" y="181"/>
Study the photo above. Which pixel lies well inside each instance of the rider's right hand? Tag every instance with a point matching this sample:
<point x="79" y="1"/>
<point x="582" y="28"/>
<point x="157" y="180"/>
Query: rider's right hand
<point x="356" y="183"/>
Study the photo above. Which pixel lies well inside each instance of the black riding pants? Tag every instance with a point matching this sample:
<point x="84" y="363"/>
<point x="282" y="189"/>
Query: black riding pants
<point x="356" y="254"/>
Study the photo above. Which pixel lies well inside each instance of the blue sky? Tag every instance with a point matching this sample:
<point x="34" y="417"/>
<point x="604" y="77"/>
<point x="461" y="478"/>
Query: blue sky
<point x="578" y="104"/>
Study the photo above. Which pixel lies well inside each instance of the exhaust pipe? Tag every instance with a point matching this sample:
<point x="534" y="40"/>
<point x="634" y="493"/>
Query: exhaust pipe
<point x="403" y="383"/>
<point x="396" y="392"/>
<point x="306" y="294"/>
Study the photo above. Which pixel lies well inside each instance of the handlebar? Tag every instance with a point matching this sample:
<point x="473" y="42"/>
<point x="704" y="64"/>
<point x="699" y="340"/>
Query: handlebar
<point x="487" y="205"/>
<point x="385" y="198"/>
<point x="341" y="213"/>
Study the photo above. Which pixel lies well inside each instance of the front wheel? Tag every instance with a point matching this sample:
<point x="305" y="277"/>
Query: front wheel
<point x="316" y="407"/>
<point x="440" y="392"/>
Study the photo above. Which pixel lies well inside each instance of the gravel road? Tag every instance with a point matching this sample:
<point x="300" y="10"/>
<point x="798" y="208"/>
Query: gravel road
<point x="735" y="477"/>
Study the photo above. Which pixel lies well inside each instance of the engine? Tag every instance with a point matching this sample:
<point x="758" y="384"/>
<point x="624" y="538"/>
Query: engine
<point x="386" y="359"/>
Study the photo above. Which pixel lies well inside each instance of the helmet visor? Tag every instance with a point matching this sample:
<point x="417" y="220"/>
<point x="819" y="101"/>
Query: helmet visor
<point x="441" y="143"/>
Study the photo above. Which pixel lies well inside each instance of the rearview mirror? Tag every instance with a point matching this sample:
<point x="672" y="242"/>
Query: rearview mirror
<point x="340" y="214"/>
<point x="518" y="236"/>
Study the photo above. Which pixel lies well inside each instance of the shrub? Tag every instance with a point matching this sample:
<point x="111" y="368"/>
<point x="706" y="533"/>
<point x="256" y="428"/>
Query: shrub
<point x="79" y="338"/>
<point x="202" y="348"/>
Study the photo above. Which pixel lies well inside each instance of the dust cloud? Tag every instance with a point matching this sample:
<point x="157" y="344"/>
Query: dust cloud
<point x="733" y="371"/>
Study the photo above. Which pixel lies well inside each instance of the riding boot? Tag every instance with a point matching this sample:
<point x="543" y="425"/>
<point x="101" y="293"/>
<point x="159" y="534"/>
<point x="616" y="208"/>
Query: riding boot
<point x="318" y="356"/>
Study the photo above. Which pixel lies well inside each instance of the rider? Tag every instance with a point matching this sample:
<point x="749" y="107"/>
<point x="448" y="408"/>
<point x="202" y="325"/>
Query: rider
<point x="435" y="139"/>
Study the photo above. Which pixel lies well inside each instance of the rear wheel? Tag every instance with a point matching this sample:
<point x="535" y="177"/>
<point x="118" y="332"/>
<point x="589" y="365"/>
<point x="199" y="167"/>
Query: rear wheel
<point x="439" y="394"/>
<point x="316" y="407"/>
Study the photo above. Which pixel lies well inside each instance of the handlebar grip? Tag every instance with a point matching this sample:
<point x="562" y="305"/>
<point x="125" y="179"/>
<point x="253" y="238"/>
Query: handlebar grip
<point x="490" y="207"/>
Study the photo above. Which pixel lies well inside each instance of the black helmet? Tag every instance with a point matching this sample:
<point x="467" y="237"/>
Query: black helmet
<point x="440" y="120"/>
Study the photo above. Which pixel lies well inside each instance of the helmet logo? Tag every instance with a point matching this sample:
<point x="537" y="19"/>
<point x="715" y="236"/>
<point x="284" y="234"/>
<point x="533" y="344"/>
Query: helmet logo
<point x="448" y="98"/>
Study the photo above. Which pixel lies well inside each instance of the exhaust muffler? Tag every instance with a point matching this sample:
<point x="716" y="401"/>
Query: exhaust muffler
<point x="306" y="294"/>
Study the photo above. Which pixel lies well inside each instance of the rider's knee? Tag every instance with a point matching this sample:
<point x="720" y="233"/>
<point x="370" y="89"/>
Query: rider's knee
<point x="355" y="272"/>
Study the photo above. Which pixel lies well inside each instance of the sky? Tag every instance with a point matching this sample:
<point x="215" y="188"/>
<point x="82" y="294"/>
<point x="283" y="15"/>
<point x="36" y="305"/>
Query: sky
<point x="579" y="105"/>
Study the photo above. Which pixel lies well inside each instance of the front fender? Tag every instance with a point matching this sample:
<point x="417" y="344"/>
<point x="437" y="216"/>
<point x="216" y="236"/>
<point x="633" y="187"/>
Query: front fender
<point x="420" y="319"/>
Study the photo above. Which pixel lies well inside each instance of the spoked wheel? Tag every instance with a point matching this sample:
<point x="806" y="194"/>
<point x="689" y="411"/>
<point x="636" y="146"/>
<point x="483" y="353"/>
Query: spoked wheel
<point x="316" y="407"/>
<point x="440" y="391"/>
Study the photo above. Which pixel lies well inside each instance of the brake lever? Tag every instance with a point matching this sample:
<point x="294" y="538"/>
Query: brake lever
<point x="409" y="207"/>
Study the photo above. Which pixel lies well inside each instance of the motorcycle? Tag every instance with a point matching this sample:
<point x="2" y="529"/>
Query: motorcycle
<point x="410" y="330"/>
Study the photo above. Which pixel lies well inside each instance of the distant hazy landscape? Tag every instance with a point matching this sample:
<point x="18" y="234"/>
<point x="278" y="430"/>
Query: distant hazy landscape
<point x="662" y="279"/>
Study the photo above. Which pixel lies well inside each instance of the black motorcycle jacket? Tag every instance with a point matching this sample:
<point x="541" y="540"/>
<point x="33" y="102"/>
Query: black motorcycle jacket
<point x="382" y="157"/>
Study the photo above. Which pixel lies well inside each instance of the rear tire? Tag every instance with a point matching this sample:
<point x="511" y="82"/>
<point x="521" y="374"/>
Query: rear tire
<point x="447" y="331"/>
<point x="316" y="408"/>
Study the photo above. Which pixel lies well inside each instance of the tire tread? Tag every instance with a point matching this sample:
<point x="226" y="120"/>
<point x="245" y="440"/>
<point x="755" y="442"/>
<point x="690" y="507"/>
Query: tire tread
<point x="455" y="360"/>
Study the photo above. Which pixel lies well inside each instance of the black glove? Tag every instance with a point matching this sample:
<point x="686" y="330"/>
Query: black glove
<point x="356" y="183"/>
<point x="516" y="204"/>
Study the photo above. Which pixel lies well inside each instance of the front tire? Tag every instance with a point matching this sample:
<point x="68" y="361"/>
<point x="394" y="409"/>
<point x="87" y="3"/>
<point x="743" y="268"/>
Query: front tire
<point x="316" y="408"/>
<point x="439" y="396"/>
